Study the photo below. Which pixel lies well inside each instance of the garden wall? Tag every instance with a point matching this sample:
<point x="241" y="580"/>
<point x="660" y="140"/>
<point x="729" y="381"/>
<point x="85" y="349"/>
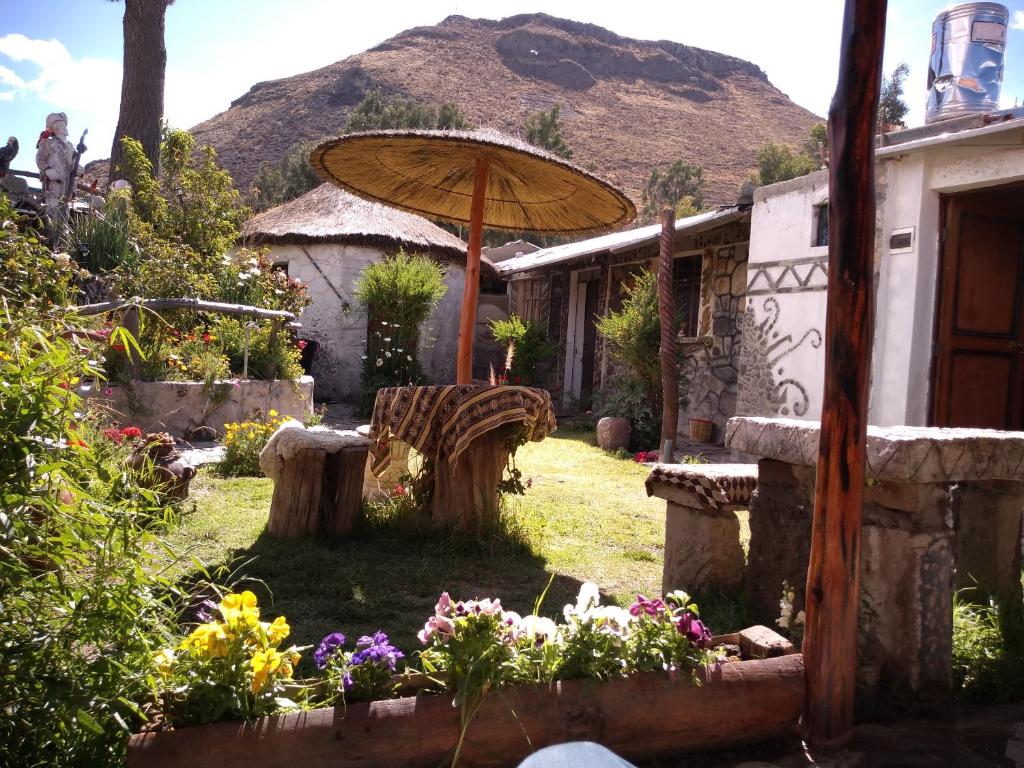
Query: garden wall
<point x="179" y="407"/>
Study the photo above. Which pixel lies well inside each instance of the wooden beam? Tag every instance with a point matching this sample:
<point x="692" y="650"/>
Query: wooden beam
<point x="833" y="574"/>
<point x="471" y="292"/>
<point x="187" y="303"/>
<point x="667" y="315"/>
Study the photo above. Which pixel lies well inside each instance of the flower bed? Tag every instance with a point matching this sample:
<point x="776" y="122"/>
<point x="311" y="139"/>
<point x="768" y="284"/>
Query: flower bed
<point x="180" y="407"/>
<point x="646" y="681"/>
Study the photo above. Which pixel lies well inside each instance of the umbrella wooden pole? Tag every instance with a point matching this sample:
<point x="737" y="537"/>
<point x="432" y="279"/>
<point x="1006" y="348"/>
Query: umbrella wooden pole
<point x="833" y="574"/>
<point x="471" y="292"/>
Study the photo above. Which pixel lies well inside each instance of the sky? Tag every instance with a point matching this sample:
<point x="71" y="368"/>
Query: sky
<point x="66" y="55"/>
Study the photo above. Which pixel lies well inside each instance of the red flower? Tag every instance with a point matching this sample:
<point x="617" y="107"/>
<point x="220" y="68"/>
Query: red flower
<point x="207" y="338"/>
<point x="78" y="443"/>
<point x="400" y="490"/>
<point x="119" y="347"/>
<point x="130" y="433"/>
<point x="301" y="344"/>
<point x="113" y="434"/>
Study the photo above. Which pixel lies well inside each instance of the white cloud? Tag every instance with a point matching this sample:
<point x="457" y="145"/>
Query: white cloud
<point x="44" y="73"/>
<point x="1017" y="22"/>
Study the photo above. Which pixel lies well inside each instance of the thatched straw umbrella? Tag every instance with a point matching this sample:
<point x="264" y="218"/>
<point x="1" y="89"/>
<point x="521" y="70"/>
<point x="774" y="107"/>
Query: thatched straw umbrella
<point x="483" y="178"/>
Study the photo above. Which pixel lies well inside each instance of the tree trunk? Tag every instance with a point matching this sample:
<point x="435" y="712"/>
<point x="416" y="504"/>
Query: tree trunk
<point x="833" y="573"/>
<point x="142" y="82"/>
<point x="667" y="315"/>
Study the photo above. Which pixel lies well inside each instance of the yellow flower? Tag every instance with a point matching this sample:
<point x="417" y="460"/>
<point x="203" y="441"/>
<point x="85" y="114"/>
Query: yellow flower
<point x="164" y="661"/>
<point x="264" y="664"/>
<point x="272" y="414"/>
<point x="278" y="630"/>
<point x="208" y="640"/>
<point x="240" y="609"/>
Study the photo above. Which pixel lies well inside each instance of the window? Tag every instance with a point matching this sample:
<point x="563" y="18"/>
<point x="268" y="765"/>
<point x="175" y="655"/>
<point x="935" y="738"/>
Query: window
<point x="820" y="225"/>
<point x="686" y="291"/>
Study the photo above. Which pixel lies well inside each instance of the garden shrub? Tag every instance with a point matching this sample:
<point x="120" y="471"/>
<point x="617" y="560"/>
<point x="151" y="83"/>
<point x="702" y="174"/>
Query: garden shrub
<point x="527" y="347"/>
<point x="103" y="241"/>
<point x="986" y="669"/>
<point x="83" y="606"/>
<point x="398" y="294"/>
<point x="244" y="441"/>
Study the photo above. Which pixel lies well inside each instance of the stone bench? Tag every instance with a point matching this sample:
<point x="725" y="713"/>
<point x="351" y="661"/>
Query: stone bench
<point x="702" y="532"/>
<point x="942" y="509"/>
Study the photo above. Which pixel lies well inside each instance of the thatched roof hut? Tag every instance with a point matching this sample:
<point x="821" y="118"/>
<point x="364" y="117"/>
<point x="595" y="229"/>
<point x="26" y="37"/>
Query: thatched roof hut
<point x="330" y="215"/>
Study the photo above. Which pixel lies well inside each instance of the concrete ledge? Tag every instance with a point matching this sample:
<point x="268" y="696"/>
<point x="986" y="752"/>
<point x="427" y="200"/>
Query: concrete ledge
<point x="902" y="454"/>
<point x="180" y="407"/>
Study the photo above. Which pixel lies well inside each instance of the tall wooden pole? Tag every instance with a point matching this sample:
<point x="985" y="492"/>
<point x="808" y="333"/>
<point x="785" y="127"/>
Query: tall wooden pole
<point x="471" y="291"/>
<point x="667" y="315"/>
<point x="833" y="574"/>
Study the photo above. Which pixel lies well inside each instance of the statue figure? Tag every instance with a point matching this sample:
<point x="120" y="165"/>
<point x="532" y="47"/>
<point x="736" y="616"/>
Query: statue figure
<point x="55" y="156"/>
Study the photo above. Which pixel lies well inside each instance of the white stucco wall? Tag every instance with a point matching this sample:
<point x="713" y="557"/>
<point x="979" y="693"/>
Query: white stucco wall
<point x="910" y="183"/>
<point x="781" y="367"/>
<point x="342" y="333"/>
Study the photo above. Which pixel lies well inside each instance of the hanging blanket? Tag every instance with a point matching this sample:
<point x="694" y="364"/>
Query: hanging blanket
<point x="716" y="485"/>
<point x="441" y="421"/>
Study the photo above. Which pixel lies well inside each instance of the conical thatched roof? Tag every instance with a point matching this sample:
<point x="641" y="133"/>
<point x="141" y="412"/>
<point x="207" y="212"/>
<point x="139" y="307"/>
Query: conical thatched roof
<point x="432" y="173"/>
<point x="330" y="215"/>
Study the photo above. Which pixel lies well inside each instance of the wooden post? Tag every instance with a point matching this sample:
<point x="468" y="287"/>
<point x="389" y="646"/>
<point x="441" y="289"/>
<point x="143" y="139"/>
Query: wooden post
<point x="833" y="574"/>
<point x="667" y="315"/>
<point x="471" y="292"/>
<point x="130" y="321"/>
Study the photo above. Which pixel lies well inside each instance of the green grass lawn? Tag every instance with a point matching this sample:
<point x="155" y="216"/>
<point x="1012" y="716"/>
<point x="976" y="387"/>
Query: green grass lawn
<point x="586" y="517"/>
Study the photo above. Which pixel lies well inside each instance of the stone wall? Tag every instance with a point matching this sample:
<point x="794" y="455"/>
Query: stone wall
<point x="713" y="371"/>
<point x="180" y="407"/>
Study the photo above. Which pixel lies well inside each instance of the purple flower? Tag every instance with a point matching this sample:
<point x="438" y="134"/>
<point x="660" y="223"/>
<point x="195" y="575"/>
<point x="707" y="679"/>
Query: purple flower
<point x="643" y="605"/>
<point x="694" y="629"/>
<point x="206" y="611"/>
<point x="346" y="680"/>
<point x="376" y="649"/>
<point x="327" y="647"/>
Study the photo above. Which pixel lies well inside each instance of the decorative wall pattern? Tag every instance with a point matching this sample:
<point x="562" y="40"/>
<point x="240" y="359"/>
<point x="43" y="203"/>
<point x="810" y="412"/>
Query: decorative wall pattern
<point x="789" y="276"/>
<point x="765" y="390"/>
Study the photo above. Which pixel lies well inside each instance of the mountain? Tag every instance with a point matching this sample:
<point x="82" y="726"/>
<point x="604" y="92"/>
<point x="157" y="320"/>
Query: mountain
<point x="626" y="105"/>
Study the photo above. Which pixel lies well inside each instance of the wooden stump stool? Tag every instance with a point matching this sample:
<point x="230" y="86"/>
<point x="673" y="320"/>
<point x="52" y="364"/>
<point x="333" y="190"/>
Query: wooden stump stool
<point x="466" y="495"/>
<point x="318" y="484"/>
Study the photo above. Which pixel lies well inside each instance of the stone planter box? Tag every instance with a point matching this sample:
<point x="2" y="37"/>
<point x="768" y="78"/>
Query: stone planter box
<point x="180" y="407"/>
<point x="640" y="717"/>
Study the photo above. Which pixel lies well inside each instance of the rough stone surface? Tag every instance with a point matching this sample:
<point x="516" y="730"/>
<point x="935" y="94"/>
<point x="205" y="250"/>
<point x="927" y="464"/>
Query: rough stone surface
<point x="904" y="454"/>
<point x="780" y="536"/>
<point x="760" y="642"/>
<point x="988" y="543"/>
<point x="379" y="488"/>
<point x="613" y="432"/>
<point x="702" y="551"/>
<point x="182" y="407"/>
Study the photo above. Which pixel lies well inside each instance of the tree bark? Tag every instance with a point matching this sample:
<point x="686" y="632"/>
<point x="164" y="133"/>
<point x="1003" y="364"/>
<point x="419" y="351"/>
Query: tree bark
<point x="142" y="81"/>
<point x="667" y="315"/>
<point x="833" y="574"/>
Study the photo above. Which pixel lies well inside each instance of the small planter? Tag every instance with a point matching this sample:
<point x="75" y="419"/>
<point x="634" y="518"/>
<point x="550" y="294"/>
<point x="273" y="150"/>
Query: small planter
<point x="640" y="717"/>
<point x="613" y="432"/>
<point x="700" y="430"/>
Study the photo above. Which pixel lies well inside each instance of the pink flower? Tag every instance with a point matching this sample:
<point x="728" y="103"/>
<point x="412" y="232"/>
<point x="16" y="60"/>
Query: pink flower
<point x="436" y="625"/>
<point x="444" y="605"/>
<point x="108" y="392"/>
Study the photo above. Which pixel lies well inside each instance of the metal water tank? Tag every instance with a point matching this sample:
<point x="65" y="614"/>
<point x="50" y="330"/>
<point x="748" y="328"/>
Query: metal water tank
<point x="965" y="70"/>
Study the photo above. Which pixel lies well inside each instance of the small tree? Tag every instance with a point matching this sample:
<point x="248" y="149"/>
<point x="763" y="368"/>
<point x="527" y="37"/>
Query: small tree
<point x="544" y="129"/>
<point x="526" y="345"/>
<point x="891" y="107"/>
<point x="398" y="294"/>
<point x="292" y="177"/>
<point x="378" y="111"/>
<point x="669" y="186"/>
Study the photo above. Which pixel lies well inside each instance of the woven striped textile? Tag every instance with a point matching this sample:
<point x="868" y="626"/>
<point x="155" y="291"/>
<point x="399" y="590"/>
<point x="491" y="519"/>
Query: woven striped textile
<point x="442" y="421"/>
<point x="716" y="485"/>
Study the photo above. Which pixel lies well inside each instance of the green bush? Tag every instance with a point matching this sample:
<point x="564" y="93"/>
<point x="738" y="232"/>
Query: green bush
<point x="103" y="242"/>
<point x="527" y="346"/>
<point x="634" y="333"/>
<point x="243" y="442"/>
<point x="398" y="294"/>
<point x="82" y="606"/>
<point x="986" y="669"/>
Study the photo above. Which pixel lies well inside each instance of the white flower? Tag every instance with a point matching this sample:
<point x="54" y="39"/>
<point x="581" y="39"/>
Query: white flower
<point x="538" y="628"/>
<point x="254" y="262"/>
<point x="382" y="322"/>
<point x="387" y="338"/>
<point x="409" y="358"/>
<point x="588" y="598"/>
<point x="364" y="357"/>
<point x="799" y="620"/>
<point x="379" y="362"/>
<point x="399" y="350"/>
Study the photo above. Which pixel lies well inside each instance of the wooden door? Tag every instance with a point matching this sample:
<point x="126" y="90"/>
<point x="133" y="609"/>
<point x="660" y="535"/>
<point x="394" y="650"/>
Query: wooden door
<point x="589" y="353"/>
<point x="979" y="356"/>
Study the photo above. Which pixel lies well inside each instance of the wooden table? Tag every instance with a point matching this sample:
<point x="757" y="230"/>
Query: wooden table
<point x="465" y="434"/>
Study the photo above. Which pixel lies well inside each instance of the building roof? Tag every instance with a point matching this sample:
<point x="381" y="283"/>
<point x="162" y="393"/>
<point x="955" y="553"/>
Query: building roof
<point x="617" y="242"/>
<point x="498" y="253"/>
<point x="330" y="215"/>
